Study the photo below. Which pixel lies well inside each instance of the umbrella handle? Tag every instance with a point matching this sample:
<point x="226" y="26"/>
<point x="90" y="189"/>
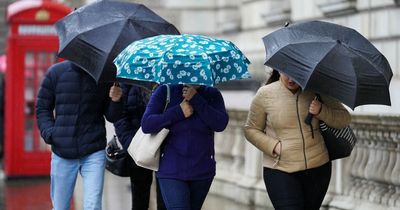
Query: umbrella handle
<point x="309" y="117"/>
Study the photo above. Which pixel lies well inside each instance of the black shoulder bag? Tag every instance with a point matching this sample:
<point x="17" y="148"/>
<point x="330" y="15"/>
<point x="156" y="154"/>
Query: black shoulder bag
<point x="339" y="142"/>
<point x="117" y="159"/>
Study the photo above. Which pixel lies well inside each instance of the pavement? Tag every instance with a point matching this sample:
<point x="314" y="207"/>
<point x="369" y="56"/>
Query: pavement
<point x="34" y="194"/>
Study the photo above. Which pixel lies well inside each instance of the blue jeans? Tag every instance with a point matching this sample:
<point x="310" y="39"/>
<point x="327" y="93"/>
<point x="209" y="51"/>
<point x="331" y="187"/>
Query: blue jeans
<point x="184" y="195"/>
<point x="63" y="178"/>
<point x="303" y="190"/>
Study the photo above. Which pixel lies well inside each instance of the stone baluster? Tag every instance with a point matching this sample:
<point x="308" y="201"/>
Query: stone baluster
<point x="385" y="160"/>
<point x="393" y="200"/>
<point x="354" y="172"/>
<point x="391" y="190"/>
<point x="371" y="167"/>
<point x="364" y="147"/>
<point x="395" y="172"/>
<point x="395" y="178"/>
<point x="392" y="161"/>
<point x="347" y="172"/>
<point x="376" y="173"/>
<point x="397" y="196"/>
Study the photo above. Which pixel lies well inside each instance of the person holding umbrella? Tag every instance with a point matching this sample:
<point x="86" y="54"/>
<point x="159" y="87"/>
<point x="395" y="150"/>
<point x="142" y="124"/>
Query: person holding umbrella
<point x="296" y="164"/>
<point x="70" y="112"/>
<point x="312" y="57"/>
<point x="187" y="164"/>
<point x="191" y="65"/>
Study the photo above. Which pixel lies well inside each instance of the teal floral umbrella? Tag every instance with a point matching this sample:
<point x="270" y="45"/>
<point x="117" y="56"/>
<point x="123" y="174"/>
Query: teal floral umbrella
<point x="182" y="59"/>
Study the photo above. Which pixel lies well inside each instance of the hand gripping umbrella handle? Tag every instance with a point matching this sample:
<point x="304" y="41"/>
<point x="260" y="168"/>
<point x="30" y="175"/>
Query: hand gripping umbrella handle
<point x="309" y="115"/>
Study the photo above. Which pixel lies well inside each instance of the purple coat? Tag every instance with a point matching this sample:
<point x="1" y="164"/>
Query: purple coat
<point x="188" y="151"/>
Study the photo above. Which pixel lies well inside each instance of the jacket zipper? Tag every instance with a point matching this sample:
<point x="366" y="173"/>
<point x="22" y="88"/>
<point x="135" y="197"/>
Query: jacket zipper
<point x="79" y="113"/>
<point x="301" y="130"/>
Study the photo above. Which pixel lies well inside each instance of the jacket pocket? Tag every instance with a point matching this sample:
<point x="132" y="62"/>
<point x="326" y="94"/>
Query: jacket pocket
<point x="48" y="137"/>
<point x="278" y="158"/>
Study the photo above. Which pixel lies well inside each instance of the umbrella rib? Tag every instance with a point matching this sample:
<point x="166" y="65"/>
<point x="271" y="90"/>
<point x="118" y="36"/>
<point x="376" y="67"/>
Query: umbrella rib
<point x="371" y="63"/>
<point x="295" y="43"/>
<point x="322" y="58"/>
<point x="148" y="21"/>
<point x="356" y="93"/>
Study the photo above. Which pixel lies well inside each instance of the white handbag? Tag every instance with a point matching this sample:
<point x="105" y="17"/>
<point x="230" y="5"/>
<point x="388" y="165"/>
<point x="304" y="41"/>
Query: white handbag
<point x="145" y="147"/>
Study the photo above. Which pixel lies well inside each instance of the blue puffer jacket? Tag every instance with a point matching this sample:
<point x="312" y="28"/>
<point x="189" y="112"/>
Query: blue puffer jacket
<point x="135" y="100"/>
<point x="77" y="128"/>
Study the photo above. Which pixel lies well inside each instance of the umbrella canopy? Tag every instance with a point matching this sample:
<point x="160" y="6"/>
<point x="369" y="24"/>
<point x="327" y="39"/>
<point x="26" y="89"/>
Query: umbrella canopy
<point x="93" y="35"/>
<point x="182" y="59"/>
<point x="330" y="59"/>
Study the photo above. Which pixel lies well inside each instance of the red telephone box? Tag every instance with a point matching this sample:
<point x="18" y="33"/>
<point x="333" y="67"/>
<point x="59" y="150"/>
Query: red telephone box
<point x="32" y="47"/>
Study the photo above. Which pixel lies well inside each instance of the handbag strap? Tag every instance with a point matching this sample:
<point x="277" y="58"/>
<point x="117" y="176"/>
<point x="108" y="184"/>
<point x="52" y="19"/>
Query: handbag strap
<point x="168" y="98"/>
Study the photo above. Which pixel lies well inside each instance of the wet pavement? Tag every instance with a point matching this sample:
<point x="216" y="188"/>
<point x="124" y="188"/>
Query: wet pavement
<point x="34" y="194"/>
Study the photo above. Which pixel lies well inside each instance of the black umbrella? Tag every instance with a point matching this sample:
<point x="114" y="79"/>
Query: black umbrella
<point x="331" y="59"/>
<point x="93" y="35"/>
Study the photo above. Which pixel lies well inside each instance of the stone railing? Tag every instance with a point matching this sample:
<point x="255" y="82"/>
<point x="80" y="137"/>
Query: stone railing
<point x="368" y="179"/>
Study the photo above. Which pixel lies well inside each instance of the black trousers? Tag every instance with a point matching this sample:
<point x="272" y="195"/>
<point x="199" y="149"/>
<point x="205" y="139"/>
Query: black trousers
<point x="303" y="190"/>
<point x="141" y="180"/>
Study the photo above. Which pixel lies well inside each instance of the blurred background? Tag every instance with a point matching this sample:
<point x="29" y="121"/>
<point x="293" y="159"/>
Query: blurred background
<point x="369" y="179"/>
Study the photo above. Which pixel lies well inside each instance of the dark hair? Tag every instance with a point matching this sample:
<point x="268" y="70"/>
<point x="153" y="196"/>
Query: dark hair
<point x="274" y="77"/>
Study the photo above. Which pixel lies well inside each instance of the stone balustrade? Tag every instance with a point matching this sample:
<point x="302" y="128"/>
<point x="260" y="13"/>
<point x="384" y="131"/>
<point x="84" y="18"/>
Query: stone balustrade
<point x="368" y="179"/>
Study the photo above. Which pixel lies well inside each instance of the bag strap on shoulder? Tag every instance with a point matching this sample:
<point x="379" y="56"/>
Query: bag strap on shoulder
<point x="168" y="98"/>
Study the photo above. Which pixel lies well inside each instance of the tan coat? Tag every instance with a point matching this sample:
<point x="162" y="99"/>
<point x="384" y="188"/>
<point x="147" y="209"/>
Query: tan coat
<point x="277" y="115"/>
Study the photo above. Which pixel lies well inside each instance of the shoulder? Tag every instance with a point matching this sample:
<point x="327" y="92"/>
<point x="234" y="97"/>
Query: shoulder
<point x="56" y="71"/>
<point x="59" y="68"/>
<point x="329" y="100"/>
<point x="210" y="90"/>
<point x="270" y="89"/>
<point x="131" y="89"/>
<point x="162" y="89"/>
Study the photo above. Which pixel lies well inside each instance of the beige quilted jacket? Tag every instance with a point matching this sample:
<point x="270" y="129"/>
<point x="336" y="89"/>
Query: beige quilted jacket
<point x="277" y="115"/>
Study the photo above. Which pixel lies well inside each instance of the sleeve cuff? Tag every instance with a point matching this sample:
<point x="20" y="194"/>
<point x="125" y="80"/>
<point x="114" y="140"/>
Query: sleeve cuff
<point x="322" y="114"/>
<point x="271" y="145"/>
<point x="175" y="113"/>
<point x="197" y="99"/>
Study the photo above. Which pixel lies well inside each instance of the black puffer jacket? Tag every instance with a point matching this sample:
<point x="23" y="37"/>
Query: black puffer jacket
<point x="135" y="100"/>
<point x="77" y="128"/>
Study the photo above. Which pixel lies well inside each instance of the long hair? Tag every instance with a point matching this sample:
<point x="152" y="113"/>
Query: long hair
<point x="274" y="77"/>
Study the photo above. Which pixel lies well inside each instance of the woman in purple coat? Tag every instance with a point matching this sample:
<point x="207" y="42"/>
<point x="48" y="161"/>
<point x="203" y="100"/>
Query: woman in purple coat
<point x="187" y="164"/>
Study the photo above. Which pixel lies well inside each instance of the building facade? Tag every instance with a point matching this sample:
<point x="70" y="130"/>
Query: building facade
<point x="370" y="178"/>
